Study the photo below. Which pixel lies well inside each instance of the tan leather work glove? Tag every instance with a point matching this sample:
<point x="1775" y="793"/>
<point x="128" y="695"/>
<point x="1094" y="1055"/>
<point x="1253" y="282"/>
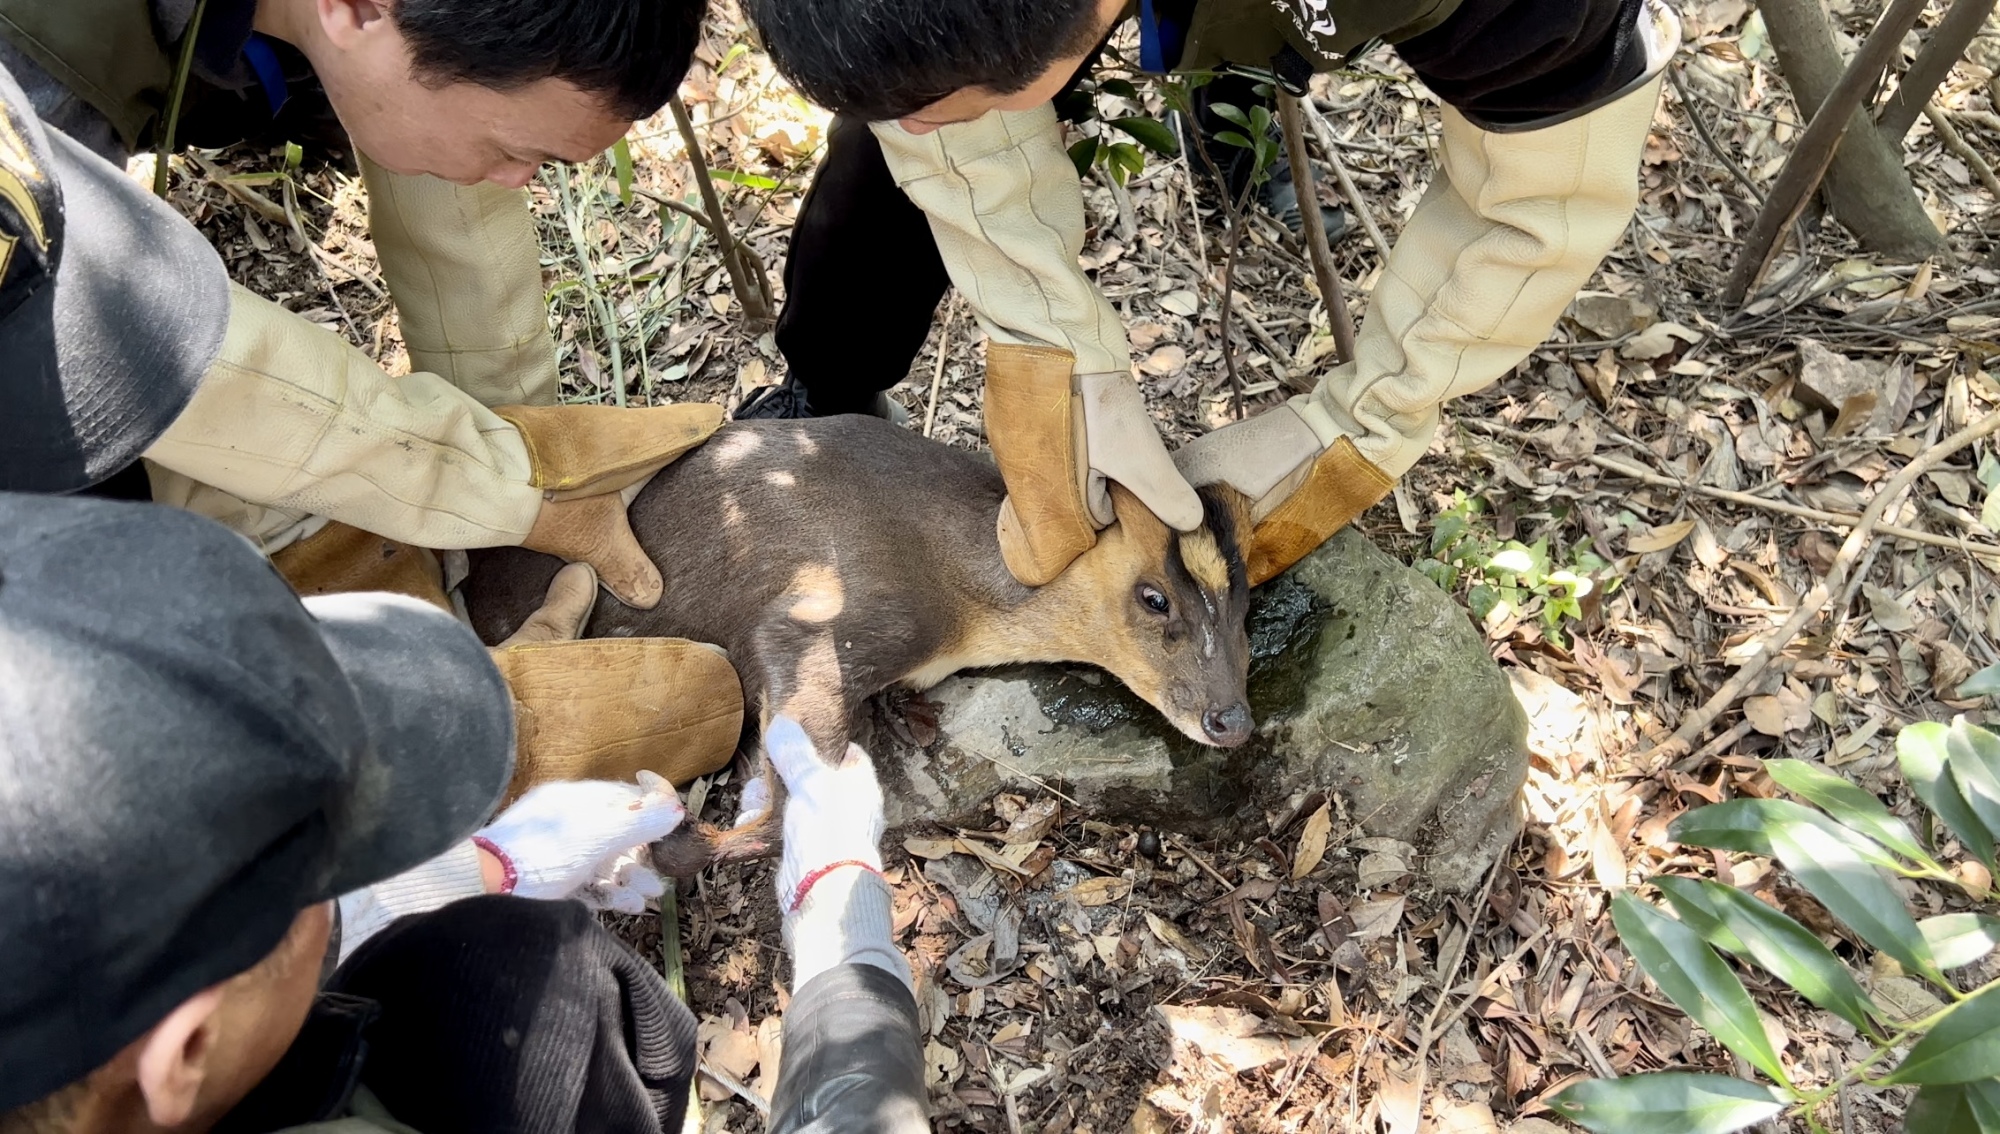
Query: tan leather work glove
<point x="293" y="417"/>
<point x="1512" y="226"/>
<point x="464" y="268"/>
<point x="608" y="708"/>
<point x="1063" y="412"/>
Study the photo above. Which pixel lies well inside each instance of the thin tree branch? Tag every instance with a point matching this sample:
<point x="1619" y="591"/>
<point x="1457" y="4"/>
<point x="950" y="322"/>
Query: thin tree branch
<point x="1291" y="124"/>
<point x="1814" y="153"/>
<point x="1928" y="71"/>
<point x="755" y="297"/>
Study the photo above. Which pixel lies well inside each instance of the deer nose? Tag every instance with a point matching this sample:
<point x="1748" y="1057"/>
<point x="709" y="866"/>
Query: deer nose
<point x="1227" y="727"/>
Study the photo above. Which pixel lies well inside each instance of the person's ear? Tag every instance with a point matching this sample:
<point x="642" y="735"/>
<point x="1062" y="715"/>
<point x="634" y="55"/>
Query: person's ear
<point x="174" y="1057"/>
<point x="345" y="21"/>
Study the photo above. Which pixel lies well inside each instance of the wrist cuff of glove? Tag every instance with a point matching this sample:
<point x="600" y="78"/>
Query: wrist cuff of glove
<point x="1341" y="485"/>
<point x="425" y="887"/>
<point x="509" y="876"/>
<point x="846" y="918"/>
<point x="591" y="450"/>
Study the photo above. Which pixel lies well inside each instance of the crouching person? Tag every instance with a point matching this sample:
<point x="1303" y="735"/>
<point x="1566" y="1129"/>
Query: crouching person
<point x="194" y="765"/>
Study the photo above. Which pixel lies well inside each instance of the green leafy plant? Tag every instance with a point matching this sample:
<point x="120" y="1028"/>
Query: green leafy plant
<point x="1839" y="850"/>
<point x="1504" y="577"/>
<point x="1123" y="160"/>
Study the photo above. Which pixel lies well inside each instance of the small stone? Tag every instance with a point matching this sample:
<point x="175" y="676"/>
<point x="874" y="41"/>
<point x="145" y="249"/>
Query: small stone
<point x="1149" y="844"/>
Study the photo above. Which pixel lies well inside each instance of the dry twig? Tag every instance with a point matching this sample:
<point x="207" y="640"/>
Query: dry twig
<point x="1813" y="603"/>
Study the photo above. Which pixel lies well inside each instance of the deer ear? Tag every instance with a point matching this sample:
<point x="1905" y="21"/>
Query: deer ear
<point x="1133" y="515"/>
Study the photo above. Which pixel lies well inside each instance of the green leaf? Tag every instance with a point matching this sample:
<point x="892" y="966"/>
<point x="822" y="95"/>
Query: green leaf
<point x="1851" y="890"/>
<point x="1791" y="953"/>
<point x="1696" y="980"/>
<point x="1260" y="120"/>
<point x="1148" y="132"/>
<point x="1668" y="1103"/>
<point x="1082" y="154"/>
<point x="1959" y="939"/>
<point x="1690" y="900"/>
<point x="1126" y="160"/>
<point x="1985" y="683"/>
<point x="294" y="156"/>
<point x="621" y="165"/>
<point x="1482" y="599"/>
<point x="1850" y="805"/>
<point x="1973" y="756"/>
<point x="1232" y="138"/>
<point x="1955" y="1108"/>
<point x="1229" y="113"/>
<point x="747" y="180"/>
<point x="1746" y="825"/>
<point x="1963" y="1047"/>
<point x="1119" y="87"/>
<point x="1921" y="749"/>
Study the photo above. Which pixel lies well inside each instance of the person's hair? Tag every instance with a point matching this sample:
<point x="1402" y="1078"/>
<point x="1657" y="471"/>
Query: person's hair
<point x="51" y="1114"/>
<point x="632" y="54"/>
<point x="883" y="59"/>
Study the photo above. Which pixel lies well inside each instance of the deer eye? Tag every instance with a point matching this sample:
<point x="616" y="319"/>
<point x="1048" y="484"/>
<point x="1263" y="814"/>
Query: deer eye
<point x="1154" y="599"/>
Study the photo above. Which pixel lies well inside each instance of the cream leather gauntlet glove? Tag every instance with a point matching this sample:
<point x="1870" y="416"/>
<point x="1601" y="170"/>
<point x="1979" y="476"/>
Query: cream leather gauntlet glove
<point x="292" y="416"/>
<point x="1512" y="226"/>
<point x="1062" y="411"/>
<point x="465" y="270"/>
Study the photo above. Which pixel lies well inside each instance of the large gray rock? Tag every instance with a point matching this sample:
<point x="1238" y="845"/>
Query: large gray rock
<point x="1367" y="681"/>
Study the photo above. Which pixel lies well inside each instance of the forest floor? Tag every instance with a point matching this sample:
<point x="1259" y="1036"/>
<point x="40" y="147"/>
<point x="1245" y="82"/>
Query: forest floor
<point x="1700" y="466"/>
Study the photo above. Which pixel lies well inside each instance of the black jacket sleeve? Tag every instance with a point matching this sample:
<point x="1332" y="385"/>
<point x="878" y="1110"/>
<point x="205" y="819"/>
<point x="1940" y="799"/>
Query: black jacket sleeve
<point x="851" y="1062"/>
<point x="1515" y="64"/>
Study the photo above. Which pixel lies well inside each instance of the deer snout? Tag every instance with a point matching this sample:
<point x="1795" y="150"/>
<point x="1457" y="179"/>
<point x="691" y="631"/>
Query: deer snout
<point x="1227" y="727"/>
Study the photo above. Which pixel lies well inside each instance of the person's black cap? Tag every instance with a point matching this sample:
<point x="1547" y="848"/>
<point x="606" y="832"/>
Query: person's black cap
<point x="189" y="756"/>
<point x="112" y="307"/>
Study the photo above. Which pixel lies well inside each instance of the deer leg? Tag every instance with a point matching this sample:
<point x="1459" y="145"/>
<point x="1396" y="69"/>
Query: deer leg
<point x="800" y="678"/>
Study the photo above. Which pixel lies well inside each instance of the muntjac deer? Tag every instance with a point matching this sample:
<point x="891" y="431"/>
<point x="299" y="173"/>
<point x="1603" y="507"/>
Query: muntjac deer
<point x="837" y="557"/>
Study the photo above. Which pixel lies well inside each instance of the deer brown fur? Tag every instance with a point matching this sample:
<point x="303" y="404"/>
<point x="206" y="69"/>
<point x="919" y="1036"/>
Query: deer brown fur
<point x="837" y="557"/>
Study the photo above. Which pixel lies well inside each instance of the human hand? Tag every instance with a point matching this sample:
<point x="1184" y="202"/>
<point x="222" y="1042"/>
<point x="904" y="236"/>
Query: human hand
<point x="561" y="837"/>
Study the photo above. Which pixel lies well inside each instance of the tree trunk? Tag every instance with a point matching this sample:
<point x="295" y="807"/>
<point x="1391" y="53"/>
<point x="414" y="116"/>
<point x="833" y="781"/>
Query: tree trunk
<point x="1869" y="190"/>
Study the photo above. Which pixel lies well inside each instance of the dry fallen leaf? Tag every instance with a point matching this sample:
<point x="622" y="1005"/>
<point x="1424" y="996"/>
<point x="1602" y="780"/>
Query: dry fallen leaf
<point x="1766" y="715"/>
<point x="1169" y="359"/>
<point x="1656" y="340"/>
<point x="1312" y="842"/>
<point x="930" y="848"/>
<point x="1099" y="891"/>
<point x="1377" y="917"/>
<point x="1658" y="539"/>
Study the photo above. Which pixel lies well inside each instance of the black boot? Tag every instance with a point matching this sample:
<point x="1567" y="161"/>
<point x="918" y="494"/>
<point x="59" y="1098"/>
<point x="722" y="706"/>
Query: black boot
<point x="788" y="400"/>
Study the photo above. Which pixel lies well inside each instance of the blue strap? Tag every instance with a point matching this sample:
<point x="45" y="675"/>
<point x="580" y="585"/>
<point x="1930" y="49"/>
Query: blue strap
<point x="270" y="73"/>
<point x="1162" y="39"/>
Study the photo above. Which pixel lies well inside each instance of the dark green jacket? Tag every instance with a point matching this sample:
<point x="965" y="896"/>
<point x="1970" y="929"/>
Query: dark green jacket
<point x="119" y="56"/>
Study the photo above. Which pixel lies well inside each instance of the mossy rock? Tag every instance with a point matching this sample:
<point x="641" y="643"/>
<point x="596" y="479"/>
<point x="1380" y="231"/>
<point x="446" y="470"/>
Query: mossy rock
<point x="1366" y="680"/>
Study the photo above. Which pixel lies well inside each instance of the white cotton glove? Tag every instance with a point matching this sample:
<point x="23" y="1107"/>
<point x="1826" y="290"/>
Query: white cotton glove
<point x="625" y="885"/>
<point x="835" y="902"/>
<point x="562" y="837"/>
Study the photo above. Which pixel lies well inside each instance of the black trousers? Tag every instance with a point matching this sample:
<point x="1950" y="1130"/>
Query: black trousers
<point x="863" y="277"/>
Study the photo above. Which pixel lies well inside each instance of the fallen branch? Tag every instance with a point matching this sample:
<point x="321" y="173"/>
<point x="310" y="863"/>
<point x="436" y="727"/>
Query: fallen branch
<point x="1330" y="143"/>
<point x="937" y="375"/>
<point x="1834" y="519"/>
<point x="1949" y="135"/>
<point x="1815" y="602"/>
<point x="1291" y="124"/>
<point x="1814" y="153"/>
